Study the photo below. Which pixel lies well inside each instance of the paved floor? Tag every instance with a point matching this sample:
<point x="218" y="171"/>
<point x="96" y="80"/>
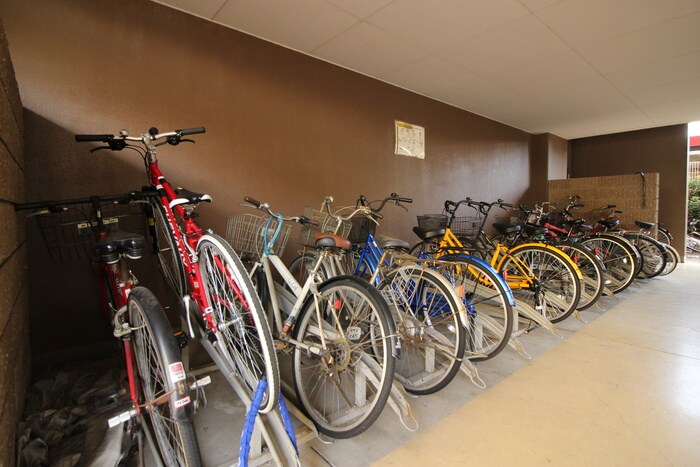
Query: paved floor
<point x="622" y="389"/>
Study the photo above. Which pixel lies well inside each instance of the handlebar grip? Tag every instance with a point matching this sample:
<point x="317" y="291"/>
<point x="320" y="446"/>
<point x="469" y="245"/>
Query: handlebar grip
<point x="610" y="206"/>
<point x="96" y="138"/>
<point x="252" y="201"/>
<point x="406" y="200"/>
<point x="578" y="205"/>
<point x="377" y="215"/>
<point x="191" y="131"/>
<point x="506" y="205"/>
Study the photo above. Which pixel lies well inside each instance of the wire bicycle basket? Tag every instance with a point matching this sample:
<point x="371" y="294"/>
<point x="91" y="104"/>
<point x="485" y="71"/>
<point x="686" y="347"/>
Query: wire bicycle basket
<point x="246" y="234"/>
<point x="430" y="222"/>
<point x="325" y="224"/>
<point x="467" y="226"/>
<point x="70" y="235"/>
<point x="362" y="226"/>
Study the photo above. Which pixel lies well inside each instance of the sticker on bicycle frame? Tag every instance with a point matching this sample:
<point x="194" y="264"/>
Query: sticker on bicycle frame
<point x="177" y="372"/>
<point x="182" y="402"/>
<point x="354" y="333"/>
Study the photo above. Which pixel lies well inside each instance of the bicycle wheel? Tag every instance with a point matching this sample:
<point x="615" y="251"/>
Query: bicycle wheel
<point x="488" y="302"/>
<point x="672" y="260"/>
<point x="663" y="236"/>
<point x="618" y="259"/>
<point x="692" y="244"/>
<point x="165" y="248"/>
<point x="555" y="290"/>
<point x="426" y="313"/>
<point x="591" y="268"/>
<point x="164" y="393"/>
<point x="653" y="254"/>
<point x="343" y="369"/>
<point x="243" y="334"/>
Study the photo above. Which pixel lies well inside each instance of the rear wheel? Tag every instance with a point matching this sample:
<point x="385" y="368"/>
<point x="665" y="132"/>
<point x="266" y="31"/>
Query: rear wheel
<point x="488" y="305"/>
<point x="591" y="268"/>
<point x="618" y="259"/>
<point x="672" y="260"/>
<point x="243" y="333"/>
<point x="653" y="255"/>
<point x="555" y="290"/>
<point x="343" y="369"/>
<point x="162" y="380"/>
<point x="426" y="313"/>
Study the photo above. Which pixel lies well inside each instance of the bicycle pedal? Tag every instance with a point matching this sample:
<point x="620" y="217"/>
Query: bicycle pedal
<point x="181" y="338"/>
<point x="280" y="345"/>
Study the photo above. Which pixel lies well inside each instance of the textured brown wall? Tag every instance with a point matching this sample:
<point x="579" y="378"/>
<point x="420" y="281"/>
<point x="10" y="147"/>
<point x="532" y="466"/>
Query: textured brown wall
<point x="281" y="126"/>
<point x="14" y="325"/>
<point x="663" y="150"/>
<point x="549" y="161"/>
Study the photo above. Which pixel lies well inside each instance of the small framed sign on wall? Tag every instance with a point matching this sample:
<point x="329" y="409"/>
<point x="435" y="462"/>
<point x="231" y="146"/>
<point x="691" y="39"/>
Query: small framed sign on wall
<point x="410" y="140"/>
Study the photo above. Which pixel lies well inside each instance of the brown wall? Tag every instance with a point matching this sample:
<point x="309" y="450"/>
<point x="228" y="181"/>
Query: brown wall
<point x="14" y="328"/>
<point x="549" y="161"/>
<point x="281" y="126"/>
<point x="663" y="150"/>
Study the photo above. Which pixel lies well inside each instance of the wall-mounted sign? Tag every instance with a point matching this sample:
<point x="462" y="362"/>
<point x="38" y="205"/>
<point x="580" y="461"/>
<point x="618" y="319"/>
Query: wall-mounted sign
<point x="410" y="140"/>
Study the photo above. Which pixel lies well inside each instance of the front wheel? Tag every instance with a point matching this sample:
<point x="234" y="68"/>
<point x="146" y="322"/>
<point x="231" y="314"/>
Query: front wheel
<point x="161" y="375"/>
<point x="243" y="334"/>
<point x="343" y="366"/>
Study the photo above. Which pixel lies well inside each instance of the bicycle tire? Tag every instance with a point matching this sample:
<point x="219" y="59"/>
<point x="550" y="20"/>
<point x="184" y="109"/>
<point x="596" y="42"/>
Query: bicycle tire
<point x="160" y="371"/>
<point x="618" y="258"/>
<point x="426" y="313"/>
<point x="166" y="251"/>
<point x="592" y="269"/>
<point x="672" y="260"/>
<point x="557" y="288"/>
<point x="361" y="365"/>
<point x="653" y="253"/>
<point x="663" y="236"/>
<point x="244" y="338"/>
<point x="488" y="303"/>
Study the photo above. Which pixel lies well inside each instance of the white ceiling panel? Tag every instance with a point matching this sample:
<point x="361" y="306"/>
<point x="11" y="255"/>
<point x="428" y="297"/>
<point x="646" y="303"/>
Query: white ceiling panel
<point x="668" y="70"/>
<point x="570" y="67"/>
<point x="360" y="8"/>
<point x="506" y="47"/>
<point x="580" y="22"/>
<point x="299" y="24"/>
<point x="436" y="25"/>
<point x="665" y="40"/>
<point x="369" y="50"/>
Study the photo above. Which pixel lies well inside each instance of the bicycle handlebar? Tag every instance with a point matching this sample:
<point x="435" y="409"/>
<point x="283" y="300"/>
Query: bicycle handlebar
<point x="53" y="205"/>
<point x="266" y="208"/>
<point x="117" y="143"/>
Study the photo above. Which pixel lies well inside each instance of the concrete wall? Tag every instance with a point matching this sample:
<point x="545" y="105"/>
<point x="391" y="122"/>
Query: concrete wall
<point x="14" y="327"/>
<point x="281" y="127"/>
<point x="658" y="150"/>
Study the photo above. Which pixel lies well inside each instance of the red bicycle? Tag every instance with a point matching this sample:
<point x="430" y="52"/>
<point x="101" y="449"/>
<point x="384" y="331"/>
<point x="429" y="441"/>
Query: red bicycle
<point x="203" y="269"/>
<point x="85" y="228"/>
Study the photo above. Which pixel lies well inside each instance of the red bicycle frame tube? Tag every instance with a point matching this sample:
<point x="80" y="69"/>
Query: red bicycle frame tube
<point x="192" y="235"/>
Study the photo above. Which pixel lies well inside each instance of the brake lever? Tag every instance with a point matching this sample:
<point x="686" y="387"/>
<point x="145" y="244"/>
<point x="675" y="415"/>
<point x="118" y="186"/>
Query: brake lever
<point x="98" y="148"/>
<point x="187" y="141"/>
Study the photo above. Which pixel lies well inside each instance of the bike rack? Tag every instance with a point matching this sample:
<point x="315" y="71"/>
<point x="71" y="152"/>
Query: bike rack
<point x="269" y="441"/>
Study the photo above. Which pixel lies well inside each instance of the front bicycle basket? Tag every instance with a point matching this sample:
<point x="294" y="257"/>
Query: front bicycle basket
<point x="70" y="235"/>
<point x="361" y="227"/>
<point x="325" y="224"/>
<point x="246" y="234"/>
<point x="467" y="226"/>
<point x="430" y="222"/>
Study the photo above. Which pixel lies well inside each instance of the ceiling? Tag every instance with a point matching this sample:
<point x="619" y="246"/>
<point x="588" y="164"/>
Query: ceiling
<point x="573" y="68"/>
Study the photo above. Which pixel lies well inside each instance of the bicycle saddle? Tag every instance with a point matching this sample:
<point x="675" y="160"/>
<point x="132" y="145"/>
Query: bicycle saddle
<point x="610" y="223"/>
<point x="117" y="242"/>
<point x="427" y="235"/>
<point x="645" y="225"/>
<point x="389" y="243"/>
<point x="505" y="228"/>
<point x="332" y="241"/>
<point x="189" y="197"/>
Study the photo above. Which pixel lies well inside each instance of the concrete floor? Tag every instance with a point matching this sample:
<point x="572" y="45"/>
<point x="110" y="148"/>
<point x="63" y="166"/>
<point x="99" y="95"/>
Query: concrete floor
<point x="622" y="389"/>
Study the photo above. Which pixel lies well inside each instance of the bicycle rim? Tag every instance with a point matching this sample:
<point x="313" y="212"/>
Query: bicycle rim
<point x="160" y="372"/>
<point x="618" y="261"/>
<point x="592" y="270"/>
<point x="168" y="256"/>
<point x="427" y="318"/>
<point x="490" y="315"/>
<point x="556" y="290"/>
<point x="244" y="337"/>
<point x="343" y="386"/>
